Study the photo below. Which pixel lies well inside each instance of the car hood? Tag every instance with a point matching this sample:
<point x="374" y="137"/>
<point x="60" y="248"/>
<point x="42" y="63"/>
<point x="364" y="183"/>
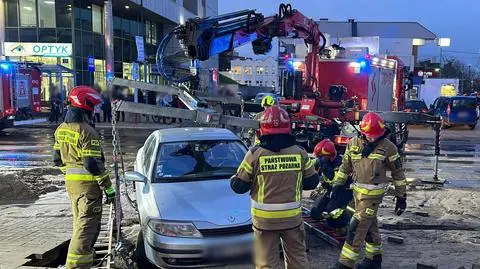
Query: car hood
<point x="208" y="201"/>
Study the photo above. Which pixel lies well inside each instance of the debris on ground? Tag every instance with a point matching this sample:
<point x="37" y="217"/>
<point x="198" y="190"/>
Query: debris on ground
<point x="425" y="266"/>
<point x="395" y="239"/>
<point x="29" y="184"/>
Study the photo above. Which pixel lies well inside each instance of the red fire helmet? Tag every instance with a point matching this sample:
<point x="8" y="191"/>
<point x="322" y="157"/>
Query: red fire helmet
<point x="275" y="120"/>
<point x="84" y="97"/>
<point x="325" y="148"/>
<point x="372" y="125"/>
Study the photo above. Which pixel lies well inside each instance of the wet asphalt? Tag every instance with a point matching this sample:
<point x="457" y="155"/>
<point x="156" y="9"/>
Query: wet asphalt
<point x="31" y="147"/>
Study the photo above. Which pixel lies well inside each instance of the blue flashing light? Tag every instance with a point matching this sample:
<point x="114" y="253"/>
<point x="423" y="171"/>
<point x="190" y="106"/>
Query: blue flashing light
<point x="363" y="64"/>
<point x="290" y="62"/>
<point x="5" y="67"/>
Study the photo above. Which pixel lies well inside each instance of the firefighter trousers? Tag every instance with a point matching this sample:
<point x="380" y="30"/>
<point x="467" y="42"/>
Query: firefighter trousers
<point x="87" y="214"/>
<point x="293" y="244"/>
<point x="363" y="227"/>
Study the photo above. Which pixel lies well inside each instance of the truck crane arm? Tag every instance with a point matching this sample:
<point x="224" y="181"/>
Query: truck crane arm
<point x="202" y="38"/>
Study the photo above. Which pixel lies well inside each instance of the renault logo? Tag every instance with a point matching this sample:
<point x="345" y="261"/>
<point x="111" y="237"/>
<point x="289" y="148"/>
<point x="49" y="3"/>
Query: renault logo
<point x="231" y="219"/>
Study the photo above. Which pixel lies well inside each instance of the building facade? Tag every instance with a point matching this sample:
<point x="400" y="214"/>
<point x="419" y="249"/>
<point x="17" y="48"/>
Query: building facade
<point x="250" y="72"/>
<point x="78" y="25"/>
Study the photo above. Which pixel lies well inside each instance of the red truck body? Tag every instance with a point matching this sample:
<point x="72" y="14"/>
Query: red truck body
<point x="376" y="86"/>
<point x="20" y="88"/>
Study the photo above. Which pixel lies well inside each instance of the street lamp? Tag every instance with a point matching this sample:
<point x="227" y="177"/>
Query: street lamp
<point x="442" y="42"/>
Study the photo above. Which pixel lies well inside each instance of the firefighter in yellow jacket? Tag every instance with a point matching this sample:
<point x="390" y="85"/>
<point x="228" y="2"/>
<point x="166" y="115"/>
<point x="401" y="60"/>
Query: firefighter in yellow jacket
<point x="275" y="172"/>
<point x="267" y="102"/>
<point x="368" y="158"/>
<point x="78" y="153"/>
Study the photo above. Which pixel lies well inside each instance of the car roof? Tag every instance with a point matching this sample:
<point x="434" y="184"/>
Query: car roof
<point x="464" y="97"/>
<point x="265" y="94"/>
<point x="411" y="101"/>
<point x="193" y="134"/>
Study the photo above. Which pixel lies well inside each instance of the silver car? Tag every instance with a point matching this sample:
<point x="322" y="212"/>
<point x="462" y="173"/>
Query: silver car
<point x="189" y="215"/>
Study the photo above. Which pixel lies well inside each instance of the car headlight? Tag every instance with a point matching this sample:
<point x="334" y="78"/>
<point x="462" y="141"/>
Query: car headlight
<point x="174" y="229"/>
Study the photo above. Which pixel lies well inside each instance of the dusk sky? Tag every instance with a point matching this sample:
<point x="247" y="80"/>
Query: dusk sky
<point x="459" y="20"/>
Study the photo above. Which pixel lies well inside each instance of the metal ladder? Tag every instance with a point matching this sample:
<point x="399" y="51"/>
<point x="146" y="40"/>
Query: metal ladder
<point x="321" y="230"/>
<point x="105" y="241"/>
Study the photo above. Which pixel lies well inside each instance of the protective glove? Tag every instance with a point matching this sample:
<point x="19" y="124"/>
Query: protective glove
<point x="110" y="194"/>
<point x="401" y="205"/>
<point x="325" y="185"/>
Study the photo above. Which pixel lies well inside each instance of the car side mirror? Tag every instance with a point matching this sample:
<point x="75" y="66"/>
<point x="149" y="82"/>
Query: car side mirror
<point x="135" y="177"/>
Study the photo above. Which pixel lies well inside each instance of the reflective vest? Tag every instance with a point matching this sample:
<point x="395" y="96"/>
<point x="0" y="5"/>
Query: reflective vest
<point x="77" y="141"/>
<point x="277" y="185"/>
<point x="370" y="172"/>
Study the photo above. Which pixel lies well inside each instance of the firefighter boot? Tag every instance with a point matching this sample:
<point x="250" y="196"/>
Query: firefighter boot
<point x="339" y="265"/>
<point x="366" y="263"/>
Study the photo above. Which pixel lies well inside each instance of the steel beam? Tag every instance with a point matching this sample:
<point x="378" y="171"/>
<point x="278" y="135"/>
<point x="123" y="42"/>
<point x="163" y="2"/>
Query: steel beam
<point x="207" y="116"/>
<point x="406" y="117"/>
<point x="174" y="91"/>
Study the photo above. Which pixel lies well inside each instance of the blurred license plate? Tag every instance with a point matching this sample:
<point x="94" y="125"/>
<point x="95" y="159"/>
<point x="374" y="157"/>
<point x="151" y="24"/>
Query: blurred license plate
<point x="462" y="114"/>
<point x="230" y="251"/>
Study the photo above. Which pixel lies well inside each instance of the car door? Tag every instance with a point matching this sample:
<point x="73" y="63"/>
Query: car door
<point x="145" y="198"/>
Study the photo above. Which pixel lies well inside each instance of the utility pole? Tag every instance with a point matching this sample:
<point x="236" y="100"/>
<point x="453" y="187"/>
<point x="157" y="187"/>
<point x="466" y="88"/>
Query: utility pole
<point x="108" y="32"/>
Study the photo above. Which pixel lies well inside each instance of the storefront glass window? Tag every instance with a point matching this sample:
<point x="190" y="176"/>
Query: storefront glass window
<point x="28" y="14"/>
<point x="117" y="49"/>
<point x="86" y="15"/>
<point x="117" y="27"/>
<point x="97" y="19"/>
<point x="87" y="44"/>
<point x="12" y="35"/>
<point x="127" y="50"/>
<point x="63" y="13"/>
<point x="47" y="35"/>
<point x="12" y="13"/>
<point x="28" y="35"/>
<point x="126" y="28"/>
<point x="46" y="13"/>
<point x="64" y="35"/>
<point x="151" y="32"/>
<point x="98" y="46"/>
<point x="78" y="63"/>
<point x="78" y="43"/>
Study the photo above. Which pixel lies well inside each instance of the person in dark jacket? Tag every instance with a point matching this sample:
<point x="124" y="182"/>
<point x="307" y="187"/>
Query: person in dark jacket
<point x="332" y="203"/>
<point x="107" y="109"/>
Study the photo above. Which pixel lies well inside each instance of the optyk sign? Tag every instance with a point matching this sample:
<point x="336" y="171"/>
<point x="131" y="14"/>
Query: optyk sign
<point x="37" y="49"/>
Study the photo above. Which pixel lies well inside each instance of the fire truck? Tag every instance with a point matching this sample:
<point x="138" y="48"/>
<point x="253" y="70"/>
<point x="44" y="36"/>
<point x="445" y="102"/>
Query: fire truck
<point x="344" y="85"/>
<point x="20" y="89"/>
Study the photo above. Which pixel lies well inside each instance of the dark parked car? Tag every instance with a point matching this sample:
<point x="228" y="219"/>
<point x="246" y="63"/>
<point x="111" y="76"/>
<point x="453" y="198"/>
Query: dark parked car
<point x="416" y="106"/>
<point x="457" y="110"/>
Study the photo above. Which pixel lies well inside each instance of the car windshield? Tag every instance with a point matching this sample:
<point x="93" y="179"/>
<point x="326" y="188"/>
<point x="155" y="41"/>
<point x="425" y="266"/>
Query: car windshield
<point x="464" y="103"/>
<point x="441" y="103"/>
<point x="198" y="160"/>
<point x="415" y="105"/>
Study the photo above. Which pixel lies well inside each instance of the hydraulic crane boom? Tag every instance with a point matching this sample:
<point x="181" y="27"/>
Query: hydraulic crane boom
<point x="202" y="38"/>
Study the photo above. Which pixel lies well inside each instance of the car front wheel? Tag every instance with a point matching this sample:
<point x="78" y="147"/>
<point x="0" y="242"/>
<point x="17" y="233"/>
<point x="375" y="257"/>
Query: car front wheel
<point x="472" y="126"/>
<point x="141" y="256"/>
